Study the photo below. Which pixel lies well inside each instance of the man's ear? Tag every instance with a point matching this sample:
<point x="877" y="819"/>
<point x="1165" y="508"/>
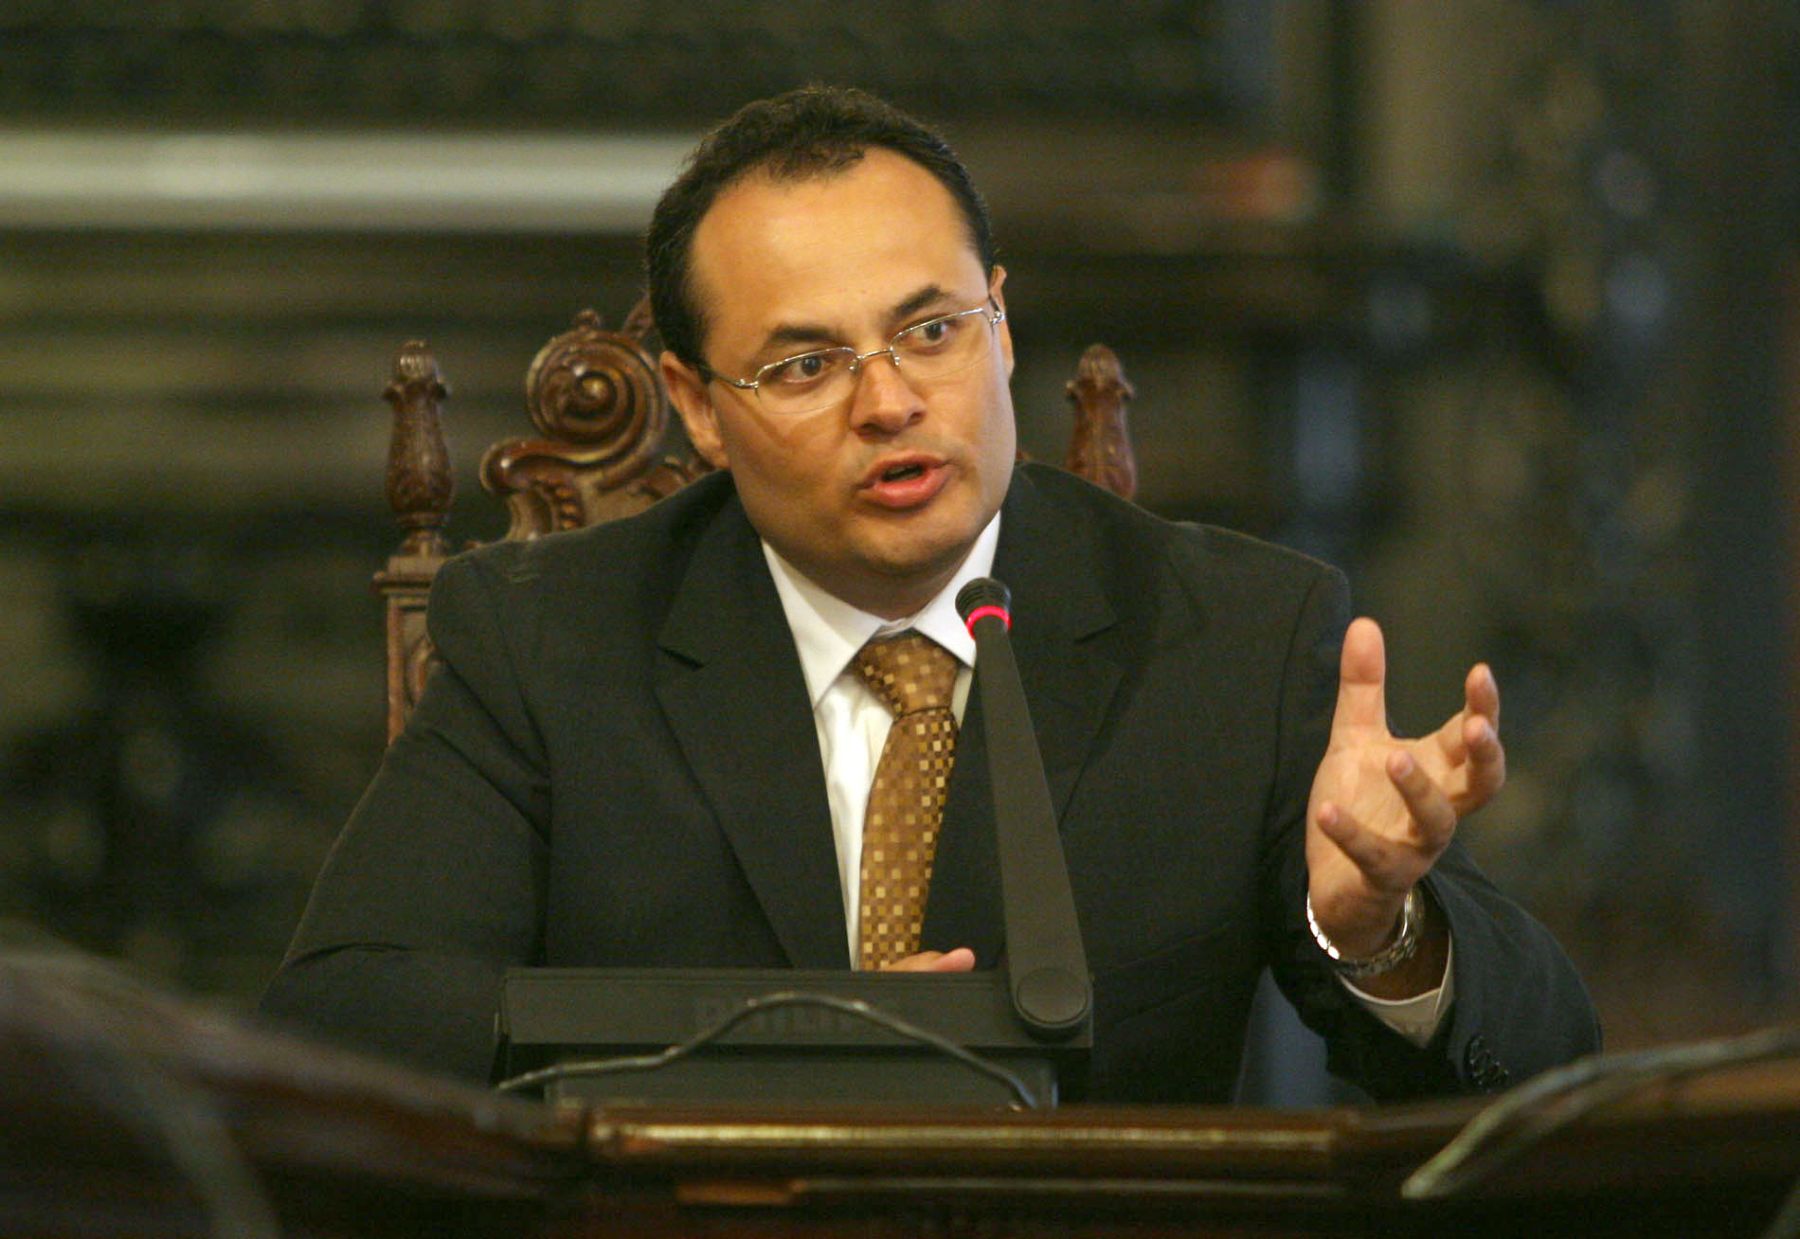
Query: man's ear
<point x="688" y="393"/>
<point x="995" y="283"/>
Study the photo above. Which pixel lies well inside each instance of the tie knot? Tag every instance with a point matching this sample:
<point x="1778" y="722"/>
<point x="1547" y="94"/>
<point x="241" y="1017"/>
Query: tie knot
<point x="909" y="673"/>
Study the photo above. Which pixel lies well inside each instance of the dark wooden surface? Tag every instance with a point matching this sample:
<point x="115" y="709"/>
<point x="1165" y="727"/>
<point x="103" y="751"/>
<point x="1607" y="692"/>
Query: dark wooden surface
<point x="124" y="1111"/>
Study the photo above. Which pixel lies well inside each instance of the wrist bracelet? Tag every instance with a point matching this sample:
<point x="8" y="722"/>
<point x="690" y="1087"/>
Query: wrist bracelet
<point x="1404" y="946"/>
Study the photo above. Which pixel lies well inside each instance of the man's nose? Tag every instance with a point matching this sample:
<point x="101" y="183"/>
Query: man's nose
<point x="884" y="400"/>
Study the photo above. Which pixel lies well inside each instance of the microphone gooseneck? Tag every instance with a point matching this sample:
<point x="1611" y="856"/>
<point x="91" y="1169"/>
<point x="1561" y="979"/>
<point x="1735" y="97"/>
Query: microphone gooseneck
<point x="1047" y="972"/>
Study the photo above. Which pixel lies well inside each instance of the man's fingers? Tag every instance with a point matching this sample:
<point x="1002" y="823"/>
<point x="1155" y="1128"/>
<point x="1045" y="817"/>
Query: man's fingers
<point x="962" y="959"/>
<point x="1481" y="693"/>
<point x="1362" y="679"/>
<point x="1367" y="852"/>
<point x="1472" y="734"/>
<point x="1395" y="863"/>
<point x="1481" y="740"/>
<point x="1433" y="816"/>
<point x="1487" y="759"/>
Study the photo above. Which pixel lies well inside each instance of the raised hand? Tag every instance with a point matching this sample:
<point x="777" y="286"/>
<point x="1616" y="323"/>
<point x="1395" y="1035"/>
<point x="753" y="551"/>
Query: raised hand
<point x="1383" y="810"/>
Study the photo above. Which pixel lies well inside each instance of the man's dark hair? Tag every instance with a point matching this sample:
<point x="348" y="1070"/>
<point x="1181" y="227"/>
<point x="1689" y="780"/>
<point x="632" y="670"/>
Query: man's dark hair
<point x="810" y="132"/>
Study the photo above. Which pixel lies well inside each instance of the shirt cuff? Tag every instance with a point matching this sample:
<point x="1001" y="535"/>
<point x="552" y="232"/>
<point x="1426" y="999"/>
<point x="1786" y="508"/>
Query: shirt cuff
<point x="1416" y="1018"/>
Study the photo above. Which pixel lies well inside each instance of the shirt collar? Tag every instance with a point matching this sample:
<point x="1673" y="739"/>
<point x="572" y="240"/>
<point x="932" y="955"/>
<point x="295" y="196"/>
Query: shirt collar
<point x="828" y="631"/>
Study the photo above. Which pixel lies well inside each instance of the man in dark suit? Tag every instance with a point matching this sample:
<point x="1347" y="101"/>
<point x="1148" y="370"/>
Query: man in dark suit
<point x="647" y="745"/>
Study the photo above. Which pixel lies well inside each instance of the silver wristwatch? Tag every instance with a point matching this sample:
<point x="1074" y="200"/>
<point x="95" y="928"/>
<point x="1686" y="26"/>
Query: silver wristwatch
<point x="1404" y="946"/>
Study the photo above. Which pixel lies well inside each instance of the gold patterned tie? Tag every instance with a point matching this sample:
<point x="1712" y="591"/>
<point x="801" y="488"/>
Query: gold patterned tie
<point x="913" y="676"/>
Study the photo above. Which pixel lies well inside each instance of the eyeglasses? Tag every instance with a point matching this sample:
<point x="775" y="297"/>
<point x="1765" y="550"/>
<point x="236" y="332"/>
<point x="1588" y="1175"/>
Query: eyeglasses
<point x="933" y="349"/>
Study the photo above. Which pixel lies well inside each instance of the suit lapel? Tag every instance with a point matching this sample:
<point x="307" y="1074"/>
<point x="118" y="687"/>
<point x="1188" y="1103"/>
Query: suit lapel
<point x="731" y="687"/>
<point x="1061" y="618"/>
<point x="1061" y="624"/>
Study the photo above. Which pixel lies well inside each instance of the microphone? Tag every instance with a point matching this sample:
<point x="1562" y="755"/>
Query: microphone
<point x="1046" y="963"/>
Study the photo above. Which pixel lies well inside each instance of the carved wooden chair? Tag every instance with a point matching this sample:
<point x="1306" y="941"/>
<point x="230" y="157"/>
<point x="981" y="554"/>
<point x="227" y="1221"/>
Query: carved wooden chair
<point x="602" y="415"/>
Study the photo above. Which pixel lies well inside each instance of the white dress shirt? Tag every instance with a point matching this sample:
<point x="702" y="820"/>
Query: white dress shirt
<point x="852" y="726"/>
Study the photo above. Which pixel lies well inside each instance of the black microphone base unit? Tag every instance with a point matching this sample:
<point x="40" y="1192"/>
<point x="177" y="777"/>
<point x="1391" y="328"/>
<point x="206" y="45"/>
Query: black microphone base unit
<point x="805" y="1043"/>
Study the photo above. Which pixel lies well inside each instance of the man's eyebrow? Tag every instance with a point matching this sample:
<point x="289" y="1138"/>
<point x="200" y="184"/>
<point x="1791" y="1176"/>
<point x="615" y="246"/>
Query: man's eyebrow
<point x="815" y="333"/>
<point x="797" y="333"/>
<point x="918" y="301"/>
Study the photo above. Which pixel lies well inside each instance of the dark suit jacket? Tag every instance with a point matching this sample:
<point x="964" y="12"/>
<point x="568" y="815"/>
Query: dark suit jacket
<point x="616" y="764"/>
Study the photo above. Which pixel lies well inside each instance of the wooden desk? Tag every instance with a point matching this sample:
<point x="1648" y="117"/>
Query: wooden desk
<point x="125" y="1112"/>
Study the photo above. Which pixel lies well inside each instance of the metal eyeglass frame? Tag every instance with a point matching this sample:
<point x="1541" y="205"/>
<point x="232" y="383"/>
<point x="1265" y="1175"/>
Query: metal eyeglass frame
<point x="755" y="382"/>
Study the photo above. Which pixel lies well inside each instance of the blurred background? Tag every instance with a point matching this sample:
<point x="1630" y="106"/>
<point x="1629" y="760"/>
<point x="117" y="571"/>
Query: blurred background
<point x="1492" y="303"/>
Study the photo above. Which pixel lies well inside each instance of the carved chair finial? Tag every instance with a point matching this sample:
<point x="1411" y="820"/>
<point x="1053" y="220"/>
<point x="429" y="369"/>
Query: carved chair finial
<point x="1100" y="447"/>
<point x="419" y="485"/>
